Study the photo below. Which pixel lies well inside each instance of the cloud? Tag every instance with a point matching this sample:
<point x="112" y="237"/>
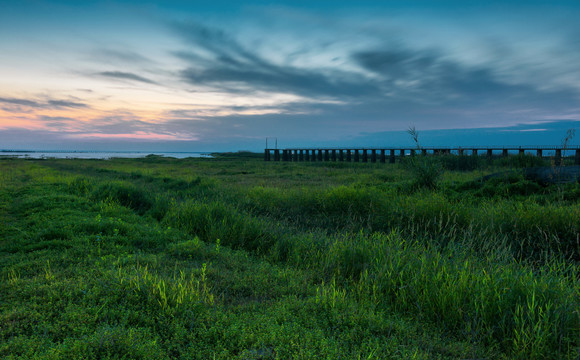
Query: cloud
<point x="440" y="84"/>
<point x="126" y="125"/>
<point x="116" y="56"/>
<point x="119" y="124"/>
<point x="22" y="102"/>
<point x="56" y="118"/>
<point x="58" y="122"/>
<point x="125" y="76"/>
<point x="383" y="87"/>
<point x="43" y="104"/>
<point x="220" y="61"/>
<point x="377" y="78"/>
<point x="396" y="63"/>
<point x="135" y="136"/>
<point x="57" y="104"/>
<point x="431" y="77"/>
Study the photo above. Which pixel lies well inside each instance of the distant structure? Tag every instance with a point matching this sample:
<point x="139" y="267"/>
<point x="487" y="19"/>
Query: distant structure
<point x="381" y="154"/>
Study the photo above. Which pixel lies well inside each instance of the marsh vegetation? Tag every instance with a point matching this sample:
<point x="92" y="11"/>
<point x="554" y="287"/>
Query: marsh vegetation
<point x="235" y="258"/>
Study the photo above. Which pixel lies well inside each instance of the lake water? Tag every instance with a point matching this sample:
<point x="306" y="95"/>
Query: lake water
<point x="96" y="154"/>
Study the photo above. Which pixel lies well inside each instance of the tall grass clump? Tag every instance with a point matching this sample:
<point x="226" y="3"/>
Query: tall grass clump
<point x="280" y="203"/>
<point x="536" y="230"/>
<point x="460" y="162"/>
<point x="81" y="185"/>
<point x="521" y="161"/>
<point x="426" y="171"/>
<point x="340" y="207"/>
<point x="179" y="292"/>
<point x="213" y="221"/>
<point x="526" y="312"/>
<point x="125" y="194"/>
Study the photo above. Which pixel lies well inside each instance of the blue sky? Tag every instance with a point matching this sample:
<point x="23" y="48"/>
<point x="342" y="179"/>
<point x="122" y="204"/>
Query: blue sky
<point x="224" y="75"/>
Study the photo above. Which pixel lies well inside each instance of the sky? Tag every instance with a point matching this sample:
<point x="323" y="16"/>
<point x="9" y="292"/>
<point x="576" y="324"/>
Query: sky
<point x="168" y="75"/>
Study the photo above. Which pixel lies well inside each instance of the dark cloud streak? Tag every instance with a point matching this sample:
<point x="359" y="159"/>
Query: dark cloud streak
<point x="22" y="102"/>
<point x="395" y="73"/>
<point x="125" y="56"/>
<point x="431" y="78"/>
<point x="232" y="67"/>
<point x="66" y="104"/>
<point x="44" y="104"/>
<point x="125" y="76"/>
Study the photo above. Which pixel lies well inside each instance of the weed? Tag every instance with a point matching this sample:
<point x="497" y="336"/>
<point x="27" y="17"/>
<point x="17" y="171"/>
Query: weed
<point x="426" y="171"/>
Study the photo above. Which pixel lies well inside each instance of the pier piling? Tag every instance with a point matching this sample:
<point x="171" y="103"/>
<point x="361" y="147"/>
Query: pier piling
<point x="374" y="155"/>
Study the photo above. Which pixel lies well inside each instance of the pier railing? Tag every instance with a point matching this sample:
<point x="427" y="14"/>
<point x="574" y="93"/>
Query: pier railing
<point x="390" y="154"/>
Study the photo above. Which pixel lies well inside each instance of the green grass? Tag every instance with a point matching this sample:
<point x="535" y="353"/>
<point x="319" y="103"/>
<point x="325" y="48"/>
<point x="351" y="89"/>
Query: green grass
<point x="235" y="258"/>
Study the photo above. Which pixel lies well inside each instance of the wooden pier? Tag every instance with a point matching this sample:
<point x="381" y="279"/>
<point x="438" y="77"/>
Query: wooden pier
<point x="390" y="154"/>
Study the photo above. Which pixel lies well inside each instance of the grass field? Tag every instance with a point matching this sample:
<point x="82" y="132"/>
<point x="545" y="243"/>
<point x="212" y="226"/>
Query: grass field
<point x="236" y="258"/>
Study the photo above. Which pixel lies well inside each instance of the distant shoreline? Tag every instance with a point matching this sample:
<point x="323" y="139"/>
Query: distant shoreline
<point x="104" y="151"/>
<point x="97" y="154"/>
